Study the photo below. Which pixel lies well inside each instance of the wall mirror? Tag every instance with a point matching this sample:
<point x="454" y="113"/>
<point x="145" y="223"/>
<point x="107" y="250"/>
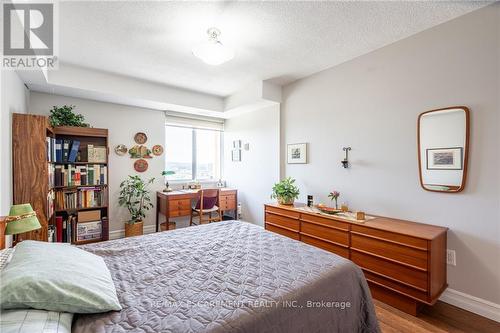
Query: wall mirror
<point x="443" y="144"/>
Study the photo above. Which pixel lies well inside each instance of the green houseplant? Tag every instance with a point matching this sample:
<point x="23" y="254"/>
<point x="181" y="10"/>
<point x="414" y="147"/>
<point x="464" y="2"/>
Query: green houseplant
<point x="135" y="196"/>
<point x="64" y="116"/>
<point x="285" y="191"/>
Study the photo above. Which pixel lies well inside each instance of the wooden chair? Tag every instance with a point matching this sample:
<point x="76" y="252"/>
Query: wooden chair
<point x="207" y="203"/>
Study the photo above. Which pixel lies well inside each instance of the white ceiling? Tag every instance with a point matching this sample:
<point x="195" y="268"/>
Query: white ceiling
<point x="281" y="41"/>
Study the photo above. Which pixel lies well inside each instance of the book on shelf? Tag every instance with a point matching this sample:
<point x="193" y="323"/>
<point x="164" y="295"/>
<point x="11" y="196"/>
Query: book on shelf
<point x="51" y="149"/>
<point x="64" y="229"/>
<point x="80" y="175"/>
<point x="93" y="154"/>
<point x="50" y="204"/>
<point x="84" y="197"/>
<point x="89" y="226"/>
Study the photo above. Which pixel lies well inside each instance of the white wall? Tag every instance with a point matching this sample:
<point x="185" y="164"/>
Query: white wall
<point x="123" y="122"/>
<point x="372" y="103"/>
<point x="258" y="170"/>
<point x="14" y="100"/>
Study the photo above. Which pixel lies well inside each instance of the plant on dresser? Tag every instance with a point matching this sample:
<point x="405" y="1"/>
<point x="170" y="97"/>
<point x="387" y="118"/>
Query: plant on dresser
<point x="135" y="196"/>
<point x="285" y="191"/>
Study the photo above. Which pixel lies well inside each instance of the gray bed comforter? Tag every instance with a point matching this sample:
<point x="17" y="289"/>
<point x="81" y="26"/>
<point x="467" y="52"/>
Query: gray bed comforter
<point x="230" y="277"/>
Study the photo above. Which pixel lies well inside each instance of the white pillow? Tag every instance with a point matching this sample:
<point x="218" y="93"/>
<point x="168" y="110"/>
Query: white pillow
<point x="5" y="256"/>
<point x="35" y="321"/>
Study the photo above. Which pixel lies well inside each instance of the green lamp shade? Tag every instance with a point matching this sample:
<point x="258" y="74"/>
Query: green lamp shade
<point x="22" y="218"/>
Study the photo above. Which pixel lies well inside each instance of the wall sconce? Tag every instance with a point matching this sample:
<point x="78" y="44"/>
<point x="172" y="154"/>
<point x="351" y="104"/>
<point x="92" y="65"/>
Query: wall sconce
<point x="345" y="161"/>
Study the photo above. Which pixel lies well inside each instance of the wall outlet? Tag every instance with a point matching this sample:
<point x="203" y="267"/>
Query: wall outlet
<point x="451" y="257"/>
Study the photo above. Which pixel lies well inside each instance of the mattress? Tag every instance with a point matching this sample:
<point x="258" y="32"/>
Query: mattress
<point x="229" y="276"/>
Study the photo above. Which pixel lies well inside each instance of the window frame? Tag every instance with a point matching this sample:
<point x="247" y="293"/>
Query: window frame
<point x="194" y="158"/>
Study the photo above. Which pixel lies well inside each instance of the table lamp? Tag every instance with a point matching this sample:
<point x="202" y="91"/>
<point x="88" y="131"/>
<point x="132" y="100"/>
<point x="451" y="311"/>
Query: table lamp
<point x="22" y="218"/>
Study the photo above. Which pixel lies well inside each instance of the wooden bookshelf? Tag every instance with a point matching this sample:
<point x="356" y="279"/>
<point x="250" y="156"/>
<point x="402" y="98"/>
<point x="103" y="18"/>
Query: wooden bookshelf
<point x="86" y="136"/>
<point x="31" y="183"/>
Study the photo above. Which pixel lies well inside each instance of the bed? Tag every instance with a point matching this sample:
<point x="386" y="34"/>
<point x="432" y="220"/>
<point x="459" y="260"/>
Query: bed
<point x="230" y="276"/>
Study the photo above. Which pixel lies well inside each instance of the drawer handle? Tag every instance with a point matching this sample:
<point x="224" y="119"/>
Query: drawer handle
<point x="388" y="241"/>
<point x="281" y="214"/>
<point x="389" y="259"/>
<point x="393" y="279"/>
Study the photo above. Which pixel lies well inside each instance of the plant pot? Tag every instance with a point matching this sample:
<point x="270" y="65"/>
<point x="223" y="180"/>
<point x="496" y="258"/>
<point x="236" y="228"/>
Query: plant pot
<point x="134" y="229"/>
<point x="283" y="201"/>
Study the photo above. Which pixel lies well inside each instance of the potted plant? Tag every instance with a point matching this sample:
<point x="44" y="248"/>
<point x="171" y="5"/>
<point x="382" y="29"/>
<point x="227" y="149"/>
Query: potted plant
<point x="285" y="191"/>
<point x="135" y="196"/>
<point x="64" y="116"/>
<point x="166" y="173"/>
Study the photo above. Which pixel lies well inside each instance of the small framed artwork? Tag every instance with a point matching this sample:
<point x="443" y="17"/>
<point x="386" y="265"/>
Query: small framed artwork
<point x="445" y="158"/>
<point x="237" y="144"/>
<point x="297" y="153"/>
<point x="236" y="155"/>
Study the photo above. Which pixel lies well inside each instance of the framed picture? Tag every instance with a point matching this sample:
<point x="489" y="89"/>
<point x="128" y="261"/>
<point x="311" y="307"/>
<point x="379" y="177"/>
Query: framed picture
<point x="297" y="153"/>
<point x="236" y="155"/>
<point x="237" y="144"/>
<point x="445" y="158"/>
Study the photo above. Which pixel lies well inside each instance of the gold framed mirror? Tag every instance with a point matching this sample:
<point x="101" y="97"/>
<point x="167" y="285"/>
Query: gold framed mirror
<point x="443" y="149"/>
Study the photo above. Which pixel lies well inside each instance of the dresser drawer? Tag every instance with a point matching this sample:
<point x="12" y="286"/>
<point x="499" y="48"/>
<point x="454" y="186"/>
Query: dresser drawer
<point x="284" y="232"/>
<point x="328" y="246"/>
<point x="324" y="221"/>
<point x="283" y="221"/>
<point x="329" y="234"/>
<point x="179" y="212"/>
<point x="395" y="286"/>
<point x="390" y="270"/>
<point x="282" y="212"/>
<point x="183" y="204"/>
<point x="227" y="202"/>
<point x="417" y="243"/>
<point x="400" y="253"/>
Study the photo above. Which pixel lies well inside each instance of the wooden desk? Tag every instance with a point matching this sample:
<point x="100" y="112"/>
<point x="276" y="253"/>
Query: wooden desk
<point x="178" y="203"/>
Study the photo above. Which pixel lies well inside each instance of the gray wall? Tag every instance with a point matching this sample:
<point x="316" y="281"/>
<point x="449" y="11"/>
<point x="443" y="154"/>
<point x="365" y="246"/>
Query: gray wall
<point x="259" y="168"/>
<point x="372" y="103"/>
<point x="14" y="100"/>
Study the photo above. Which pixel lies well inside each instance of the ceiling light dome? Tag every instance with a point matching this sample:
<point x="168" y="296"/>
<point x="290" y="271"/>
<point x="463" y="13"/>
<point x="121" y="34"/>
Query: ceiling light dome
<point x="213" y="52"/>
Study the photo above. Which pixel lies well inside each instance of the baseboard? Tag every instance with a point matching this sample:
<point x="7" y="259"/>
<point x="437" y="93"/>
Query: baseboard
<point x="148" y="229"/>
<point x="473" y="304"/>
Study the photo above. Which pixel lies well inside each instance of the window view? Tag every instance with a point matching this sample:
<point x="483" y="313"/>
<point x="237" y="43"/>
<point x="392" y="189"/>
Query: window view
<point x="193" y="154"/>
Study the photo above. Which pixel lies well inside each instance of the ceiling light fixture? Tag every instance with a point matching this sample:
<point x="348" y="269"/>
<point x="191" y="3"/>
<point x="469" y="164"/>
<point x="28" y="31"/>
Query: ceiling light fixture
<point x="213" y="52"/>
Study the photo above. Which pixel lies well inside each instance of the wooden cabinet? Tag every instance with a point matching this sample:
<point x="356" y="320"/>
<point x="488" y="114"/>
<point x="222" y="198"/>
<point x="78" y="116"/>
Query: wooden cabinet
<point x="404" y="262"/>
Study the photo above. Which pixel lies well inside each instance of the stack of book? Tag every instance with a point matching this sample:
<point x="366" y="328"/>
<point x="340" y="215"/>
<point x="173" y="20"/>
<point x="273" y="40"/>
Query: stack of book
<point x="91" y="197"/>
<point x="71" y="151"/>
<point x="71" y="175"/>
<point x="64" y="229"/>
<point x="66" y="200"/>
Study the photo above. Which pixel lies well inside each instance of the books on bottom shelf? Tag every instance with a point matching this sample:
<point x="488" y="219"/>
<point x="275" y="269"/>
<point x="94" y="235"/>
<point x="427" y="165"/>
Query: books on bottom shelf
<point x="85" y="226"/>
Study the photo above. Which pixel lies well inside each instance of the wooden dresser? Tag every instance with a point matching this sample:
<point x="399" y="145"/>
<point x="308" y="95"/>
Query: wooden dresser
<point x="404" y="262"/>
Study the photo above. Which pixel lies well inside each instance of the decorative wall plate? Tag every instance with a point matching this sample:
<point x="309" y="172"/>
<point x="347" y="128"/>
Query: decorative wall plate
<point x="140" y="138"/>
<point x="141" y="165"/>
<point x="140" y="152"/>
<point x="157" y="150"/>
<point x="121" y="150"/>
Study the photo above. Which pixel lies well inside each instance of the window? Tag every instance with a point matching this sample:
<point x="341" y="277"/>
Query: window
<point x="193" y="153"/>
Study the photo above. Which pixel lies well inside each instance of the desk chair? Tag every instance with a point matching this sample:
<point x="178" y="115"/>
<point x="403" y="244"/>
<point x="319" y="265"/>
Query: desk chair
<point x="207" y="202"/>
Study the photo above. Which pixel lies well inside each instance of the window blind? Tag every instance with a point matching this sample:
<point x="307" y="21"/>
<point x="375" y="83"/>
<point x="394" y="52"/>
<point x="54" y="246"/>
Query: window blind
<point x="193" y="121"/>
